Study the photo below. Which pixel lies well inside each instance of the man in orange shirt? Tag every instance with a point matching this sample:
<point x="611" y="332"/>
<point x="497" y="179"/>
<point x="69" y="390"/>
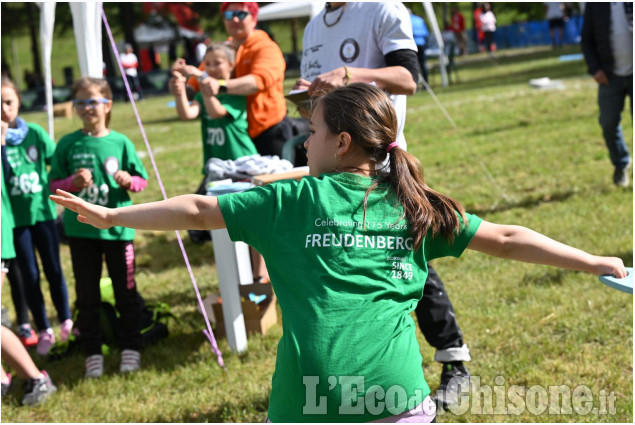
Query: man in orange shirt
<point x="258" y="75"/>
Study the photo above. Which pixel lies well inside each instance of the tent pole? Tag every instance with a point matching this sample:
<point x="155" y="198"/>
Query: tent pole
<point x="427" y="6"/>
<point x="47" y="21"/>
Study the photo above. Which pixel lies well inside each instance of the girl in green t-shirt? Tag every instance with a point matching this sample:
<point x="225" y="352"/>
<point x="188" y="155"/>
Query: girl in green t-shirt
<point x="223" y="117"/>
<point x="28" y="152"/>
<point x="102" y="166"/>
<point x="347" y="249"/>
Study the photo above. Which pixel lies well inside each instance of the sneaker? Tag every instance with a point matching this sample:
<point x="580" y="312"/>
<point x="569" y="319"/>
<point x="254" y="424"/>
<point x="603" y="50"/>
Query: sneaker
<point x="455" y="379"/>
<point x="46" y="341"/>
<point x="130" y="361"/>
<point x="38" y="390"/>
<point x="620" y="175"/>
<point x="94" y="366"/>
<point x="6" y="385"/>
<point x="65" y="329"/>
<point x="27" y="336"/>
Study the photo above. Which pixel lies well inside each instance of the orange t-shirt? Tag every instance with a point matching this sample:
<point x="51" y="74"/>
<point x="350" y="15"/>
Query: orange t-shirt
<point x="260" y="57"/>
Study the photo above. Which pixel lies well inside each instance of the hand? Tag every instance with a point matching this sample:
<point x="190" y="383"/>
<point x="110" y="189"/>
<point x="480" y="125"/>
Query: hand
<point x="177" y="84"/>
<point x="123" y="179"/>
<point x="99" y="217"/>
<point x="611" y="266"/>
<point x="83" y="178"/>
<point x="209" y="87"/>
<point x="328" y="81"/>
<point x="301" y="84"/>
<point x="601" y="78"/>
<point x="179" y="66"/>
<point x="192" y="71"/>
<point x="5" y="126"/>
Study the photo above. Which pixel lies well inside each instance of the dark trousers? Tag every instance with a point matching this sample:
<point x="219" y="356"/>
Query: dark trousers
<point x="611" y="99"/>
<point x="421" y="54"/>
<point x="436" y="315"/>
<point x="17" y="294"/>
<point x="135" y="85"/>
<point x="43" y="237"/>
<point x="272" y="140"/>
<point x="86" y="255"/>
<point x="489" y="40"/>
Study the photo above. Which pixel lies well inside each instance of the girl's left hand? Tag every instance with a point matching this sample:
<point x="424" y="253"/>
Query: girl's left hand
<point x="123" y="179"/>
<point x="209" y="87"/>
<point x="88" y="213"/>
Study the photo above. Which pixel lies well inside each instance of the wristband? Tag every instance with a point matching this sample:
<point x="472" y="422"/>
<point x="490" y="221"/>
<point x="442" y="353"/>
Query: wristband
<point x="222" y="87"/>
<point x="347" y="76"/>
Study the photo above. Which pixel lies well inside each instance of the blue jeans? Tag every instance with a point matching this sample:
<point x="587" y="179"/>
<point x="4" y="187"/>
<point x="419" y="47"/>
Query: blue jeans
<point x="611" y="100"/>
<point x="43" y="236"/>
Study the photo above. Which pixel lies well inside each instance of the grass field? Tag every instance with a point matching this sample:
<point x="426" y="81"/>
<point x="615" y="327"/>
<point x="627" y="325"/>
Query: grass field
<point x="518" y="155"/>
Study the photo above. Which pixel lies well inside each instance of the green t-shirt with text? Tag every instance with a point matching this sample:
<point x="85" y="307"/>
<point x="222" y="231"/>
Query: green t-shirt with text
<point x="29" y="183"/>
<point x="348" y="352"/>
<point x="226" y="137"/>
<point x="103" y="156"/>
<point x="8" y="249"/>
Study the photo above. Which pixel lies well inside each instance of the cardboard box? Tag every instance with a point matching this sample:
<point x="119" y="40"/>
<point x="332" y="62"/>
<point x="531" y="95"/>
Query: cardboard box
<point x="63" y="109"/>
<point x="259" y="318"/>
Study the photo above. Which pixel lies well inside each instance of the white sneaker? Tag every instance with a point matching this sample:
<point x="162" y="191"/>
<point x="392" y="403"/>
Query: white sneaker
<point x="94" y="366"/>
<point x="130" y="361"/>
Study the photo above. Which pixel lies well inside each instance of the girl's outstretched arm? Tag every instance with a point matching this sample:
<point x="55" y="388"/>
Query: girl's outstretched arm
<point x="184" y="212"/>
<point x="522" y="244"/>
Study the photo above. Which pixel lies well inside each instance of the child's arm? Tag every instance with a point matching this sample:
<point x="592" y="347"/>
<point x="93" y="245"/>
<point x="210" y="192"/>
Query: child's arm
<point x="522" y="244"/>
<point x="184" y="109"/>
<point x="212" y="105"/>
<point x="194" y="212"/>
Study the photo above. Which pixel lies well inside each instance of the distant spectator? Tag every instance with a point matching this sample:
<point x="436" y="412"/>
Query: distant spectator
<point x="607" y="44"/>
<point x="130" y="65"/>
<point x="478" y="11"/>
<point x="458" y="28"/>
<point x="555" y="16"/>
<point x="420" y="34"/>
<point x="488" y="25"/>
<point x="200" y="49"/>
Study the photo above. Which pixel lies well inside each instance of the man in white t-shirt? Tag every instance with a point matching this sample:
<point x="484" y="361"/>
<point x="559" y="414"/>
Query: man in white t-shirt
<point x="362" y="42"/>
<point x="130" y="64"/>
<point x="373" y="43"/>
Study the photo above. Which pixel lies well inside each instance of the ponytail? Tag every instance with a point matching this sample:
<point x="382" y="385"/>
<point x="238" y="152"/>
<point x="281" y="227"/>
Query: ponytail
<point x="367" y="114"/>
<point x="425" y="209"/>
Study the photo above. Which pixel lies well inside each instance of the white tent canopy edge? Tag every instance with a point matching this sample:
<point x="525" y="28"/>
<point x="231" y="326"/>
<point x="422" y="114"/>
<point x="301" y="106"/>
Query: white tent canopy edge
<point x="87" y="28"/>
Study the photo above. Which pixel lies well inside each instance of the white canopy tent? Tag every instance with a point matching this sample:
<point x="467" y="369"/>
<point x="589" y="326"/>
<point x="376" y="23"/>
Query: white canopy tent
<point x="286" y="10"/>
<point x="87" y="28"/>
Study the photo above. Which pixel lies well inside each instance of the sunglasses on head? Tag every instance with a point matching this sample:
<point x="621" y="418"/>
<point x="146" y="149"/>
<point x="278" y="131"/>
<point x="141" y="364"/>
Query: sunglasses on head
<point x="240" y="14"/>
<point x="92" y="102"/>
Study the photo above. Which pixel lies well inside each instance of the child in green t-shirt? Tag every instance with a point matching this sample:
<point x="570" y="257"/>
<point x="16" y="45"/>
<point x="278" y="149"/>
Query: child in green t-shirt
<point x="347" y="250"/>
<point x="102" y="166"/>
<point x="27" y="149"/>
<point x="223" y="117"/>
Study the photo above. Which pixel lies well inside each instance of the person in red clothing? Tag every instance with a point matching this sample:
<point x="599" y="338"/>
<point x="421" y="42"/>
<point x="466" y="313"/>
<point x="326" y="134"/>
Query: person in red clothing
<point x="458" y="28"/>
<point x="480" y="35"/>
<point x="258" y="75"/>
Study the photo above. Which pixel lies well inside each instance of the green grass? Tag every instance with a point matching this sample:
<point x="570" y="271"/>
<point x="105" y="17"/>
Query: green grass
<point x="532" y="325"/>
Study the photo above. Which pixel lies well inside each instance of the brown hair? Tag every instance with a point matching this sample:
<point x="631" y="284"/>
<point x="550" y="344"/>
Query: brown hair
<point x="367" y="114"/>
<point x="8" y="82"/>
<point x="85" y="82"/>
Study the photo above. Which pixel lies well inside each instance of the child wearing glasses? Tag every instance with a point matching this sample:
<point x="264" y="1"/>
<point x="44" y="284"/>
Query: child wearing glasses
<point x="101" y="166"/>
<point x="348" y="249"/>
<point x="27" y="150"/>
